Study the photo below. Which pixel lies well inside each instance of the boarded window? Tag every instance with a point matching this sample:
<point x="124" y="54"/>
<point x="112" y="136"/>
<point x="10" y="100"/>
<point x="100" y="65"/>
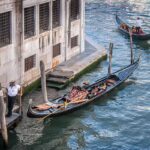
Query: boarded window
<point x="56" y="50"/>
<point x="30" y="62"/>
<point x="5" y="29"/>
<point x="44" y="17"/>
<point x="74" y="41"/>
<point x="29" y="22"/>
<point x="75" y="9"/>
<point x="56" y="13"/>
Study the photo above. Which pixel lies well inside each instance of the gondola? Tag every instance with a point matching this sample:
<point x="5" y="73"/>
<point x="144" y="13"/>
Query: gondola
<point x="142" y="36"/>
<point x="93" y="91"/>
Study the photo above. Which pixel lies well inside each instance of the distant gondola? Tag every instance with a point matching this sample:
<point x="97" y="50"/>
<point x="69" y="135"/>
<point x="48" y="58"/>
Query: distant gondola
<point x="135" y="36"/>
<point x="100" y="87"/>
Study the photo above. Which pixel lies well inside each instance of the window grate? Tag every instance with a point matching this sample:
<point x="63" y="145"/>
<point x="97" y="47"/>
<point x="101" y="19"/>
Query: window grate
<point x="30" y="62"/>
<point x="29" y="22"/>
<point x="74" y="41"/>
<point x="75" y="10"/>
<point x="56" y="13"/>
<point x="44" y="17"/>
<point x="56" y="50"/>
<point x="5" y="29"/>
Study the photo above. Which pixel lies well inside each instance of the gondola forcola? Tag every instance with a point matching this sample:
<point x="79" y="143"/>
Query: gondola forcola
<point x="124" y="28"/>
<point x="80" y="96"/>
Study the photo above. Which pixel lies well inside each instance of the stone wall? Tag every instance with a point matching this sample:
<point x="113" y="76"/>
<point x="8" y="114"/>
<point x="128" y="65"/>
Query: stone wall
<point x="12" y="57"/>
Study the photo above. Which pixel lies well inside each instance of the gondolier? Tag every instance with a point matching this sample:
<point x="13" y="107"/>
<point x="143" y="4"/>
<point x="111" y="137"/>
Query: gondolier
<point x="12" y="92"/>
<point x="136" y="36"/>
<point x="138" y="24"/>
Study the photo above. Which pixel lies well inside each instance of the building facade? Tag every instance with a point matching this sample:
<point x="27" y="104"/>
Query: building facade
<point x="35" y="30"/>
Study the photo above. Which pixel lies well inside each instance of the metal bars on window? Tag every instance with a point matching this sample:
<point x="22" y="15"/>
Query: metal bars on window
<point x="56" y="50"/>
<point x="75" y="10"/>
<point x="74" y="41"/>
<point x="44" y="17"/>
<point x="5" y="29"/>
<point x="56" y="13"/>
<point x="29" y="22"/>
<point x="30" y="62"/>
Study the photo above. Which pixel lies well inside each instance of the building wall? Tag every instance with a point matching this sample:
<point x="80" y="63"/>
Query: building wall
<point x="12" y="57"/>
<point x="8" y="54"/>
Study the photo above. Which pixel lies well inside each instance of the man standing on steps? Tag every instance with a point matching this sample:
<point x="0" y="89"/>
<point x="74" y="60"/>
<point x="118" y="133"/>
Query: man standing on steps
<point x="12" y="91"/>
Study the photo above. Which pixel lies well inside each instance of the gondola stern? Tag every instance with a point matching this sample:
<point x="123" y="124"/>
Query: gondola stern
<point x="29" y="112"/>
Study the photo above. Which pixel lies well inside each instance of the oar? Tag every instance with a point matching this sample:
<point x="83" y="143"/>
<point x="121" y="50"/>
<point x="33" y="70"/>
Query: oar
<point x="41" y="119"/>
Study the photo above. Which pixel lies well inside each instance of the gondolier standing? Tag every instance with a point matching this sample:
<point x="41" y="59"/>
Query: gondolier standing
<point x="12" y="91"/>
<point x="138" y="24"/>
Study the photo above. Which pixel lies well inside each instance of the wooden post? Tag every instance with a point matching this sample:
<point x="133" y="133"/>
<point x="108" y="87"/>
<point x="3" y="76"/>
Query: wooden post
<point x="131" y="46"/>
<point x="43" y="81"/>
<point x="3" y="119"/>
<point x="20" y="104"/>
<point x="110" y="58"/>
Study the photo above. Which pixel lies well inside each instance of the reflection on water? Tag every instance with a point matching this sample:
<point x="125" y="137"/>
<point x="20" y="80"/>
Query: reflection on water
<point x="118" y="120"/>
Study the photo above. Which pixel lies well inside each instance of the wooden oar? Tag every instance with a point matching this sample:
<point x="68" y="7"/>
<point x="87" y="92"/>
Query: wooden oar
<point x="41" y="119"/>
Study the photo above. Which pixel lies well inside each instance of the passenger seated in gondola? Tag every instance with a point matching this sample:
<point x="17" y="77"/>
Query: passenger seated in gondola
<point x="141" y="31"/>
<point x="77" y="95"/>
<point x="133" y="29"/>
<point x="95" y="90"/>
<point x="124" y="26"/>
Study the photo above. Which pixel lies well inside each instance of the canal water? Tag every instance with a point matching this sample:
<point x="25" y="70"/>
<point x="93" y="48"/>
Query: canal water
<point x="118" y="121"/>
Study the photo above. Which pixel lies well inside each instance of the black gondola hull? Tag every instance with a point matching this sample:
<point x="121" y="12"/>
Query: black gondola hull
<point x="122" y="74"/>
<point x="126" y="33"/>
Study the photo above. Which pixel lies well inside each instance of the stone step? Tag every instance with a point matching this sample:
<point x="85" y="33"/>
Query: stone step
<point x="55" y="85"/>
<point x="57" y="80"/>
<point x="61" y="74"/>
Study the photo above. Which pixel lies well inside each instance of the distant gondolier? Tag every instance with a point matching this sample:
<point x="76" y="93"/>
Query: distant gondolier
<point x="138" y="25"/>
<point x="12" y="91"/>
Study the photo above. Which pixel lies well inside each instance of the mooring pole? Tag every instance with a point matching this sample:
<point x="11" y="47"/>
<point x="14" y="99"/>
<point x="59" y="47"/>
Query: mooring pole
<point x="43" y="81"/>
<point x="110" y="58"/>
<point x="131" y="46"/>
<point x="20" y="103"/>
<point x="3" y="119"/>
